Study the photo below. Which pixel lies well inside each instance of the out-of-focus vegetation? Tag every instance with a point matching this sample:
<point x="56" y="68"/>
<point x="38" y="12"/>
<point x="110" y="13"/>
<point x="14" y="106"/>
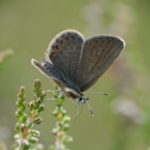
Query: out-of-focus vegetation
<point x="121" y="120"/>
<point x="4" y="54"/>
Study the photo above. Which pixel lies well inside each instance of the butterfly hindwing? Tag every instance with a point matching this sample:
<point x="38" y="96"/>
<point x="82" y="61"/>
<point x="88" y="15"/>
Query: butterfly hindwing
<point x="99" y="52"/>
<point x="50" y="70"/>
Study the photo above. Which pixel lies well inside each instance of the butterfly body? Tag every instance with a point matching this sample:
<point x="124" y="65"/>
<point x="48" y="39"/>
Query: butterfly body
<point x="75" y="63"/>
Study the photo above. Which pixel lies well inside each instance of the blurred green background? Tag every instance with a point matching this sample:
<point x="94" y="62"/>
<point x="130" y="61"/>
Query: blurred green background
<point x="121" y="120"/>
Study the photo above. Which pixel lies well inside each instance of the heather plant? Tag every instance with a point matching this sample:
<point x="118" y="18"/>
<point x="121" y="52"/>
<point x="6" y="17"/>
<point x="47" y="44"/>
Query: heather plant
<point x="28" y="115"/>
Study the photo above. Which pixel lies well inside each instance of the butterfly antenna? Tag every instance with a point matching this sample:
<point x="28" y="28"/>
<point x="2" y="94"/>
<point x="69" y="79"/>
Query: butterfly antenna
<point x="102" y="93"/>
<point x="53" y="91"/>
<point x="90" y="109"/>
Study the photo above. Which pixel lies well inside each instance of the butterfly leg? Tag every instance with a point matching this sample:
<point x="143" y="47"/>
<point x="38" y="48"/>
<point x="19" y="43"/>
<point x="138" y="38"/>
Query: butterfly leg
<point x="53" y="91"/>
<point x="59" y="96"/>
<point x="54" y="99"/>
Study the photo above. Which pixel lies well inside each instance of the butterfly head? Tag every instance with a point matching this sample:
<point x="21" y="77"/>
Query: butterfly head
<point x="82" y="100"/>
<point x="76" y="95"/>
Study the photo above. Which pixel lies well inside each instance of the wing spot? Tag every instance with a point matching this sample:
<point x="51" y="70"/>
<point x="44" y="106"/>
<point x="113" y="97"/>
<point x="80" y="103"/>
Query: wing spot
<point x="56" y="47"/>
<point x="72" y="37"/>
<point x="57" y="40"/>
<point x="53" y="47"/>
<point x="63" y="36"/>
<point x="69" y="33"/>
<point x="53" y="54"/>
<point x="47" y="67"/>
<point x="61" y="44"/>
<point x="61" y="41"/>
<point x="99" y="44"/>
<point x="58" y="50"/>
<point x="67" y="38"/>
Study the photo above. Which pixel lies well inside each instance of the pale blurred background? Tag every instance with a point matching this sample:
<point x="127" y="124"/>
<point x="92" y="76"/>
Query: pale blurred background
<point x="121" y="120"/>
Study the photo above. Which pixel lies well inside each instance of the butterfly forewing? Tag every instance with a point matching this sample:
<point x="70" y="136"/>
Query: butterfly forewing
<point x="98" y="54"/>
<point x="64" y="52"/>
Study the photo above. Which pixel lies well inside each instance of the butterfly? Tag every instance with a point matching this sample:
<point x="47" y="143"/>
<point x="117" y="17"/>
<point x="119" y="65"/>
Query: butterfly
<point x="75" y="63"/>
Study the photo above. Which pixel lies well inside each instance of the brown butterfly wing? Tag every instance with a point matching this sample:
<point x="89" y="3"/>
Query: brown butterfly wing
<point x="65" y="51"/>
<point x="98" y="54"/>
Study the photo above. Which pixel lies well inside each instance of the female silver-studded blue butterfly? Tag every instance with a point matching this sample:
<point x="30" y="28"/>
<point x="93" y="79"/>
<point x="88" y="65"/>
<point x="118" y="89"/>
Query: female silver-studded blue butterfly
<point x="75" y="63"/>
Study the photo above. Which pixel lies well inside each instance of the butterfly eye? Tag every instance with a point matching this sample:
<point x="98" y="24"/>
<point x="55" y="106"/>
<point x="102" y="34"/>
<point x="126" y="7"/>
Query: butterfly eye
<point x="80" y="99"/>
